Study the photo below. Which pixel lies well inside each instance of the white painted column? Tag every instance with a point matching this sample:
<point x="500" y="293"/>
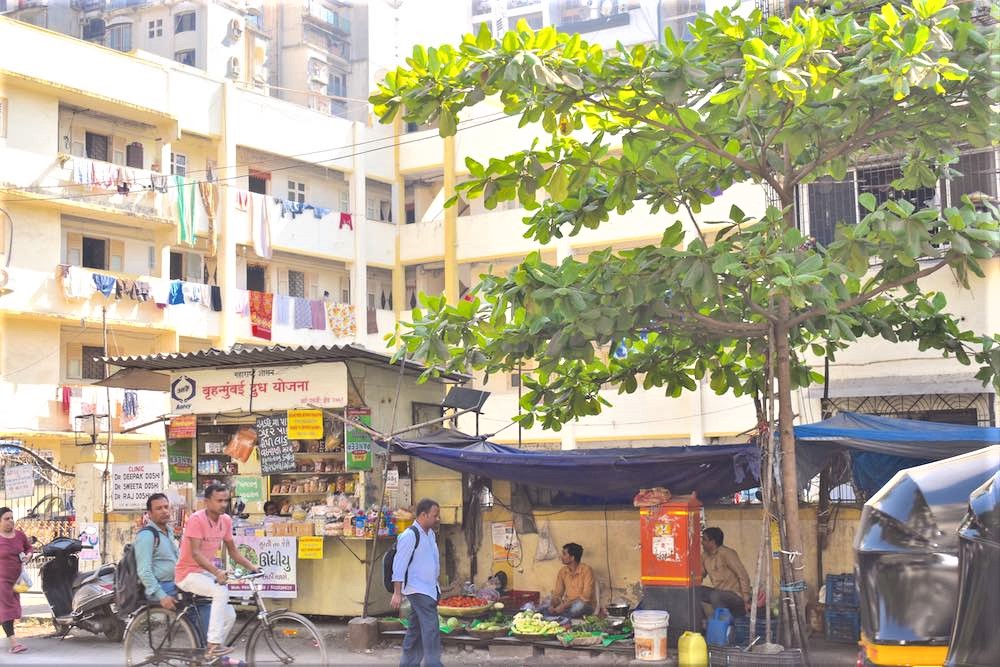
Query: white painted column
<point x="226" y="264"/>
<point x="359" y="271"/>
<point x="568" y="436"/>
<point x="697" y="435"/>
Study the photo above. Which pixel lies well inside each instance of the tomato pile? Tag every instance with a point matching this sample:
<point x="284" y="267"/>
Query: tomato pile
<point x="463" y="601"/>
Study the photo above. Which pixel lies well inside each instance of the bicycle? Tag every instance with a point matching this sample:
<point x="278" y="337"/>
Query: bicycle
<point x="158" y="636"/>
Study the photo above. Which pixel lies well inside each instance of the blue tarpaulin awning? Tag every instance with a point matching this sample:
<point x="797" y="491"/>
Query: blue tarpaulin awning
<point x="612" y="474"/>
<point x="881" y="446"/>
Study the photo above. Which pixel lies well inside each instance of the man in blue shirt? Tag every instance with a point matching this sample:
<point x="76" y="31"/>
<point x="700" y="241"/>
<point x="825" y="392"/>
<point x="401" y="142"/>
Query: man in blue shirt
<point x="415" y="573"/>
<point x="155" y="560"/>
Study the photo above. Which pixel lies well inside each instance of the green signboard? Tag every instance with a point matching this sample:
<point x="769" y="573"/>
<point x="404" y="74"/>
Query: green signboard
<point x="250" y="488"/>
<point x="357" y="443"/>
<point x="180" y="460"/>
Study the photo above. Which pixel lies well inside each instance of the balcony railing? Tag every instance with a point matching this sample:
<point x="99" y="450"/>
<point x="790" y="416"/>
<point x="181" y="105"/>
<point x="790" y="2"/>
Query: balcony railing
<point x="332" y="19"/>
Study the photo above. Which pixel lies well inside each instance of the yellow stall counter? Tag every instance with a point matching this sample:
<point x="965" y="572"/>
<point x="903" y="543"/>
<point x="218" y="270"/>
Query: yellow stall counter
<point x="335" y="584"/>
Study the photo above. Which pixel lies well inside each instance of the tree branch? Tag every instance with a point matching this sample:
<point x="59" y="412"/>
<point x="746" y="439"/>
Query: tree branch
<point x="867" y="296"/>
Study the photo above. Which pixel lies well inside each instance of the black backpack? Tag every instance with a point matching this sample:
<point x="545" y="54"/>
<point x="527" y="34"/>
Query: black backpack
<point x="390" y="556"/>
<point x="130" y="594"/>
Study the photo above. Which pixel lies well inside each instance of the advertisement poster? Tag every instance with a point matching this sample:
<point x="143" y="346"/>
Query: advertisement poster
<point x="357" y="443"/>
<point x="311" y="548"/>
<point x="305" y="424"/>
<point x="506" y="546"/>
<point x="275" y="451"/>
<point x="277" y="557"/>
<point x="90" y="537"/>
<point x="19" y="481"/>
<point x="265" y="388"/>
<point x="184" y="426"/>
<point x="132" y="483"/>
<point x="180" y="462"/>
<point x="250" y="488"/>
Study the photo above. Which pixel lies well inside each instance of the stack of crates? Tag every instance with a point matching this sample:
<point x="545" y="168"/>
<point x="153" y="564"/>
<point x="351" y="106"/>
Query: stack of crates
<point x="841" y="618"/>
<point x="741" y="629"/>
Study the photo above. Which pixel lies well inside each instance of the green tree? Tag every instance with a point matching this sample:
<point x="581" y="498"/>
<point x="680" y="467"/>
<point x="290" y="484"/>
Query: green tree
<point x="776" y="101"/>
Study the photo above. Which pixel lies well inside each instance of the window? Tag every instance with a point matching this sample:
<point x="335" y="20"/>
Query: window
<point x="186" y="57"/>
<point x="155" y="28"/>
<point x="256" y="277"/>
<point x="119" y="37"/>
<point x="878" y="180"/>
<point x="345" y="201"/>
<point x="178" y="164"/>
<point x="93" y="252"/>
<point x="978" y="177"/>
<point x="257" y="182"/>
<point x="133" y="155"/>
<point x="184" y="22"/>
<point x="187" y="266"/>
<point x="97" y="146"/>
<point x="3" y="116"/>
<point x="297" y="192"/>
<point x="370" y="208"/>
<point x="830" y="203"/>
<point x="678" y="14"/>
<point x="296" y="284"/>
<point x="92" y="368"/>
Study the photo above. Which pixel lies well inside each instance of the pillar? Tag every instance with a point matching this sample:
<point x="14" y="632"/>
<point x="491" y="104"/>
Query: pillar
<point x="450" y="225"/>
<point x="359" y="270"/>
<point x="225" y="249"/>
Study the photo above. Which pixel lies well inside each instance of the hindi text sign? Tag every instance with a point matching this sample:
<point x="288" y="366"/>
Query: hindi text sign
<point x="183" y="426"/>
<point x="261" y="388"/>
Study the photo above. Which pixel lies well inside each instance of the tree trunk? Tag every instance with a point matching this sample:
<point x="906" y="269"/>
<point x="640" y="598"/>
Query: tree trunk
<point x="789" y="502"/>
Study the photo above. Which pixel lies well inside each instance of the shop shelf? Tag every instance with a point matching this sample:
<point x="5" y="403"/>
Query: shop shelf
<point x="321" y="455"/>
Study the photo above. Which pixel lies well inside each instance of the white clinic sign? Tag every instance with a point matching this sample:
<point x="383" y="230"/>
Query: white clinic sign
<point x="260" y="388"/>
<point x="132" y="483"/>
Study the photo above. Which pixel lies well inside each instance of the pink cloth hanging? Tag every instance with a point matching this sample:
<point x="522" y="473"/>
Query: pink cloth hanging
<point x="346" y="221"/>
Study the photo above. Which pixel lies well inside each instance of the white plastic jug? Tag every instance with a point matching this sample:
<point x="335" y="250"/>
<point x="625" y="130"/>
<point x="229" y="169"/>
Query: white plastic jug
<point x="650" y="628"/>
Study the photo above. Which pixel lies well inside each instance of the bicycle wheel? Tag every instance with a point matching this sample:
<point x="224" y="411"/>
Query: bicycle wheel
<point x="286" y="638"/>
<point x="152" y="632"/>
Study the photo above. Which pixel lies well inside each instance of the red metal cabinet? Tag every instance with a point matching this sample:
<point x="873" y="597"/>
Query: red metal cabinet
<point x="671" y="543"/>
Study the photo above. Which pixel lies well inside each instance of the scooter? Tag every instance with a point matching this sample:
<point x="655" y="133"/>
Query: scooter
<point x="79" y="599"/>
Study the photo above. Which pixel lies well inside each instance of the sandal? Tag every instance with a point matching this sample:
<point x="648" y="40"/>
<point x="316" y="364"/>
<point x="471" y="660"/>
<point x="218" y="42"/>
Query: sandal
<point x="18" y="648"/>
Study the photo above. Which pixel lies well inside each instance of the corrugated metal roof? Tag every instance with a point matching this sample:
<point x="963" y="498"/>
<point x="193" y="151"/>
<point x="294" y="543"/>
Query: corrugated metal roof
<point x="261" y="355"/>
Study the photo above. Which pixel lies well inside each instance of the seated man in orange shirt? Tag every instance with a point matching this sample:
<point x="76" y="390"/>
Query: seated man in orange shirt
<point x="574" y="592"/>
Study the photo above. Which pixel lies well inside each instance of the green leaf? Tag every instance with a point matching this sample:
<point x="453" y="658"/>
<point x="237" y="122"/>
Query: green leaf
<point x="868" y="201"/>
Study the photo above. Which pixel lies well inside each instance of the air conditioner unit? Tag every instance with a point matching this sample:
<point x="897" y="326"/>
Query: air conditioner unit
<point x="235" y="69"/>
<point x="234" y="30"/>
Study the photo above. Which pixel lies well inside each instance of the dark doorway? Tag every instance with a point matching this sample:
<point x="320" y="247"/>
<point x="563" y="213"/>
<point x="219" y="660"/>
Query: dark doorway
<point x="97" y="146"/>
<point x="258" y="182"/>
<point x="95" y="253"/>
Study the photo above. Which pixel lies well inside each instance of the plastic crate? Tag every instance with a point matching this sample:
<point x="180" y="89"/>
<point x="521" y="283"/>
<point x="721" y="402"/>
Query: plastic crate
<point x="842" y="625"/>
<point x="731" y="656"/>
<point x="841" y="590"/>
<point x="741" y="629"/>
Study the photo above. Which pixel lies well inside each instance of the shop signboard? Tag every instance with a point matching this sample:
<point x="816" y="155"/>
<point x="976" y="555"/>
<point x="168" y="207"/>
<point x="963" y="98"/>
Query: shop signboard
<point x="358" y="443"/>
<point x="277" y="557"/>
<point x="250" y="488"/>
<point x="183" y="426"/>
<point x="305" y="424"/>
<point x="132" y="483"/>
<point x="19" y="481"/>
<point x="311" y="548"/>
<point x="180" y="462"/>
<point x="262" y="388"/>
<point x="275" y="451"/>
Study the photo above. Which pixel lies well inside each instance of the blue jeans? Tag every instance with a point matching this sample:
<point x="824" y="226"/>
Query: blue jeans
<point x="200" y="619"/>
<point x="423" y="638"/>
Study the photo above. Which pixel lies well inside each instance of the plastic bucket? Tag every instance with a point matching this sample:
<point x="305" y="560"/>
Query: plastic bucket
<point x="650" y="627"/>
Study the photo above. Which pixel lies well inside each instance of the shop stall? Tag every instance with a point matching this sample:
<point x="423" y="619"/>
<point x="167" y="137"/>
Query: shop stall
<point x="293" y="428"/>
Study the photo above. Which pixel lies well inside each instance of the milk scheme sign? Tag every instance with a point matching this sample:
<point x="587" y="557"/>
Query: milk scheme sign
<point x="132" y="483"/>
<point x="261" y="388"/>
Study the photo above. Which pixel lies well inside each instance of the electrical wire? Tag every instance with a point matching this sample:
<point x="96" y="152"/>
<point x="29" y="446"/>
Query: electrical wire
<point x="489" y="118"/>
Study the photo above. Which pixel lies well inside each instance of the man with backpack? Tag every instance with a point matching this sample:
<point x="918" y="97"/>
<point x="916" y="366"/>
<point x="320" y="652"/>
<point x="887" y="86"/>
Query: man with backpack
<point x="156" y="553"/>
<point x="415" y="571"/>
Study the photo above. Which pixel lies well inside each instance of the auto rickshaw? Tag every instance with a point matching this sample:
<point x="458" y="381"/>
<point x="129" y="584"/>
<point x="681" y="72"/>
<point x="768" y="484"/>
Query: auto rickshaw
<point x="907" y="559"/>
<point x="975" y="641"/>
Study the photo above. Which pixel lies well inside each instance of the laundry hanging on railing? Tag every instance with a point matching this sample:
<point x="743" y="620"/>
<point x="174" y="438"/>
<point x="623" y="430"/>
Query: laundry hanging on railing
<point x="261" y="304"/>
<point x="260" y="224"/>
<point x="340" y="319"/>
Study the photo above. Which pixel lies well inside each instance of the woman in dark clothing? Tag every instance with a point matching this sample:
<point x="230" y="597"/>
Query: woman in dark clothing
<point x="14" y="550"/>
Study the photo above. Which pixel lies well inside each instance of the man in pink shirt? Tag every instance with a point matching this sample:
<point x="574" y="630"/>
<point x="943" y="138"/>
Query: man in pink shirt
<point x="204" y="534"/>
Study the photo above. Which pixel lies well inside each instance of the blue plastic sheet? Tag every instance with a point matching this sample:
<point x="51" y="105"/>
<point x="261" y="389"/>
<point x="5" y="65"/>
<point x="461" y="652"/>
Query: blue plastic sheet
<point x="613" y="474"/>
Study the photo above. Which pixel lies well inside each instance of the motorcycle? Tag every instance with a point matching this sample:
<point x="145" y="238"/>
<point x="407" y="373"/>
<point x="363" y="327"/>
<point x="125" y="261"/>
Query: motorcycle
<point x="79" y="599"/>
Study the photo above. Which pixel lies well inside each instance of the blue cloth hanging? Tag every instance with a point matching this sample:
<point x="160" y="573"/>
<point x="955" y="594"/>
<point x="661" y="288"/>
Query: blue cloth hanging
<point x="176" y="293"/>
<point x="104" y="284"/>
